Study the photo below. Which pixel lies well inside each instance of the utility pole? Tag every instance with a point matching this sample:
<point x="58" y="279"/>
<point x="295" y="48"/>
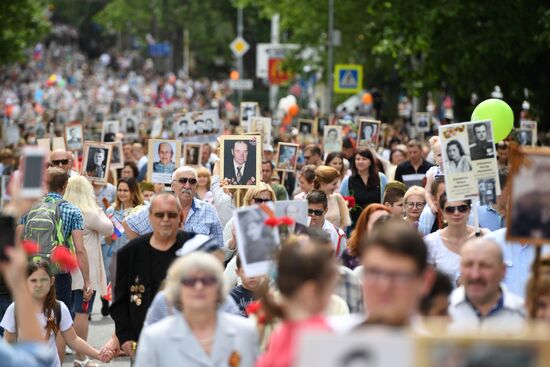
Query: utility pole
<point x="240" y="28"/>
<point x="186" y="56"/>
<point x="274" y="89"/>
<point x="330" y="65"/>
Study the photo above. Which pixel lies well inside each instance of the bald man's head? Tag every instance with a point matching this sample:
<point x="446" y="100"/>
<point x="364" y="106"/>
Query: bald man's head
<point x="482" y="269"/>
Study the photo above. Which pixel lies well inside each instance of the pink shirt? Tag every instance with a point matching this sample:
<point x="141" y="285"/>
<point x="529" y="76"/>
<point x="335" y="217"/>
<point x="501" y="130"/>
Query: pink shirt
<point x="281" y="348"/>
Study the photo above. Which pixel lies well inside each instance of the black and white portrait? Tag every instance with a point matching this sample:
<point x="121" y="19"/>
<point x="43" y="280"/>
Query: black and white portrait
<point x="524" y="137"/>
<point x="321" y="123"/>
<point x="368" y="132"/>
<point x="73" y="137"/>
<point x="295" y="209"/>
<point x="117" y="159"/>
<point x="456" y="159"/>
<point x="257" y="242"/>
<point x="332" y="139"/>
<point x="110" y="128"/>
<point x="305" y="127"/>
<point x="487" y="191"/>
<point x="481" y="141"/>
<point x="241" y="160"/>
<point x="97" y="161"/>
<point x="529" y="207"/>
<point x="192" y="154"/>
<point x="260" y="125"/>
<point x="248" y="109"/>
<point x="422" y="121"/>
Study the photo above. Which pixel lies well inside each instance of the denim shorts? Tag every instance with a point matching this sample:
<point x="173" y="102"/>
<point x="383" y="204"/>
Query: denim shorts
<point x="77" y="302"/>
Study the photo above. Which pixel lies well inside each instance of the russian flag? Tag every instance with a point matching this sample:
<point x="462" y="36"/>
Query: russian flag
<point x="118" y="228"/>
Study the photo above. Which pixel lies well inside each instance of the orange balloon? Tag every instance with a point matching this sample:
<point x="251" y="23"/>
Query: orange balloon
<point x="234" y="75"/>
<point x="293" y="110"/>
<point x="287" y="120"/>
<point x="367" y="98"/>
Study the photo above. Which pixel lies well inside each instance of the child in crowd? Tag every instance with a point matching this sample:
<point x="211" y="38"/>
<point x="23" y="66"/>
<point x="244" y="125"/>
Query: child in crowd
<point x="245" y="293"/>
<point x="433" y="172"/>
<point x="53" y="315"/>
<point x="394" y="197"/>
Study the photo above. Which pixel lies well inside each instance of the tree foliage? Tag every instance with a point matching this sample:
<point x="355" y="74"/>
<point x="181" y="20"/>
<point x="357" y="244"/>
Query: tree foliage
<point x="462" y="47"/>
<point x="22" y="24"/>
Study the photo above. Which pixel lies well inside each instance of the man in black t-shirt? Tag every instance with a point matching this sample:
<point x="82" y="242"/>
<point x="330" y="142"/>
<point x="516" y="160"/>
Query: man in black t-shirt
<point x="412" y="171"/>
<point x="142" y="266"/>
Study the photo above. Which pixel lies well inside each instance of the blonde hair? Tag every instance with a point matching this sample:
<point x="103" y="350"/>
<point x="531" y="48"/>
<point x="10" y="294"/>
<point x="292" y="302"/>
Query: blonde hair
<point x="252" y="192"/>
<point x="325" y="175"/>
<point x="195" y="261"/>
<point x="80" y="193"/>
<point x="414" y="190"/>
<point x="206" y="172"/>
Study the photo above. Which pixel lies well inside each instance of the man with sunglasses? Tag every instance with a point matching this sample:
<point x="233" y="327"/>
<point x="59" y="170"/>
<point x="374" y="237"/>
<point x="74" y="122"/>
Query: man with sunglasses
<point x="60" y="158"/>
<point x="142" y="266"/>
<point x="198" y="216"/>
<point x="317" y="203"/>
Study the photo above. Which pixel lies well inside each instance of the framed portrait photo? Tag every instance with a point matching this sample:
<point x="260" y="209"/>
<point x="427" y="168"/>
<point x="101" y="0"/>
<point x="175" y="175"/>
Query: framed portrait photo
<point x="117" y="159"/>
<point x="528" y="219"/>
<point x="305" y="128"/>
<point x="109" y="130"/>
<point x="96" y="161"/>
<point x="241" y="160"/>
<point x="192" y="154"/>
<point x="164" y="158"/>
<point x="368" y="132"/>
<point x="321" y="121"/>
<point x="257" y="243"/>
<point x="74" y="137"/>
<point x="524" y="137"/>
<point x="260" y="125"/>
<point x="130" y="127"/>
<point x="332" y="139"/>
<point x="287" y="154"/>
<point x="531" y="125"/>
<point x="422" y="122"/>
<point x="248" y="109"/>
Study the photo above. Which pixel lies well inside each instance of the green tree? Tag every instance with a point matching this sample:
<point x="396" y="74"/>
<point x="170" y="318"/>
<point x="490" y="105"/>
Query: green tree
<point x="22" y="24"/>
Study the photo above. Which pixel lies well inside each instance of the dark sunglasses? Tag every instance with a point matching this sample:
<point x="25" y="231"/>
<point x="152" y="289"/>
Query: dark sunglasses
<point x="192" y="281"/>
<point x="161" y="215"/>
<point x="261" y="201"/>
<point x="184" y="180"/>
<point x="60" y="162"/>
<point x="315" y="212"/>
<point x="461" y="209"/>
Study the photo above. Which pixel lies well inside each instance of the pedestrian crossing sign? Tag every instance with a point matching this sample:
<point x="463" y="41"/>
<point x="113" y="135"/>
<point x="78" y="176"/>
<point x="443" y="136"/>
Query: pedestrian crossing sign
<point x="348" y="78"/>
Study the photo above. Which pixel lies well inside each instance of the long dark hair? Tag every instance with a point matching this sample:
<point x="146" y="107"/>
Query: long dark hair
<point x="51" y="308"/>
<point x="135" y="191"/>
<point x="333" y="155"/>
<point x="374" y="179"/>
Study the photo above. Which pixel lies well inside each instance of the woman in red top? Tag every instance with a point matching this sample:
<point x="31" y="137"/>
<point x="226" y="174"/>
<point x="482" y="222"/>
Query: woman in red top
<point x="306" y="275"/>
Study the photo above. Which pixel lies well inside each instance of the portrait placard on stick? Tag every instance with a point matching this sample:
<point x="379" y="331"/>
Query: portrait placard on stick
<point x="287" y="154"/>
<point x="262" y="126"/>
<point x="528" y="217"/>
<point x="74" y="138"/>
<point x="524" y="137"/>
<point x="117" y="159"/>
<point x="367" y="134"/>
<point x="332" y="139"/>
<point x="531" y="125"/>
<point x="257" y="242"/>
<point x="109" y="130"/>
<point x="305" y="128"/>
<point x="241" y="160"/>
<point x="422" y="122"/>
<point x="164" y="158"/>
<point x="192" y="154"/>
<point x="96" y="161"/>
<point x="248" y="109"/>
<point x="469" y="158"/>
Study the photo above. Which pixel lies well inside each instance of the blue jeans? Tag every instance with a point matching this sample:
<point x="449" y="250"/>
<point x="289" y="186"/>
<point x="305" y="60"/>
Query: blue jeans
<point x="63" y="291"/>
<point x="5" y="301"/>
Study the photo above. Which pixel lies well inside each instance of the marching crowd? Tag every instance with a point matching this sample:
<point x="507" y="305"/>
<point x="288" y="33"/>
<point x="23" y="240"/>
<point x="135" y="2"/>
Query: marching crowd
<point x="375" y="251"/>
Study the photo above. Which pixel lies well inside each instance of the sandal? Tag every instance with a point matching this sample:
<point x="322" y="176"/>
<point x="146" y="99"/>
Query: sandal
<point x="85" y="363"/>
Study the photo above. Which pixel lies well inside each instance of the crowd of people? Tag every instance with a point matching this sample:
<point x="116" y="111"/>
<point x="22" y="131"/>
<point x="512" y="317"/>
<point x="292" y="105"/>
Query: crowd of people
<point x="383" y="245"/>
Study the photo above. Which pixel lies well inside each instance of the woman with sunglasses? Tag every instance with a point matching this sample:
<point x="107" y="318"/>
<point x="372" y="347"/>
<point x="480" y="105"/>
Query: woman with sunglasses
<point x="445" y="244"/>
<point x="414" y="204"/>
<point x="200" y="334"/>
<point x="262" y="193"/>
<point x="128" y="197"/>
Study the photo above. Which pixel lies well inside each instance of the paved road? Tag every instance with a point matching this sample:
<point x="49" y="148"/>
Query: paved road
<point x="101" y="328"/>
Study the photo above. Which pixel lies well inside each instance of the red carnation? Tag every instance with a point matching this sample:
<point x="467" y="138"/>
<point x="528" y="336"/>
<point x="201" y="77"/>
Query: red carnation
<point x="350" y="200"/>
<point x="63" y="258"/>
<point x="272" y="222"/>
<point x="30" y="247"/>
<point x="286" y="221"/>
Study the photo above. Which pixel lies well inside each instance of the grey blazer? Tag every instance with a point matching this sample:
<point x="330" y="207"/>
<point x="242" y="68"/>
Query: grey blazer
<point x="170" y="342"/>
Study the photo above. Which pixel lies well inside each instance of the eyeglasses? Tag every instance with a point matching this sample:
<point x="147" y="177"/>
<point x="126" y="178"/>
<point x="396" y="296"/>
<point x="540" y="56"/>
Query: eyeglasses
<point x="396" y="277"/>
<point x="315" y="212"/>
<point x="205" y="281"/>
<point x="461" y="209"/>
<point x="162" y="215"/>
<point x="184" y="180"/>
<point x="415" y="205"/>
<point x="60" y="162"/>
<point x="261" y="201"/>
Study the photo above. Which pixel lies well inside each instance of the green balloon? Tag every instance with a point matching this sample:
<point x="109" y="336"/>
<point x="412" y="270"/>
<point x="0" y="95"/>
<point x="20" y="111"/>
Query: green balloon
<point x="499" y="112"/>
